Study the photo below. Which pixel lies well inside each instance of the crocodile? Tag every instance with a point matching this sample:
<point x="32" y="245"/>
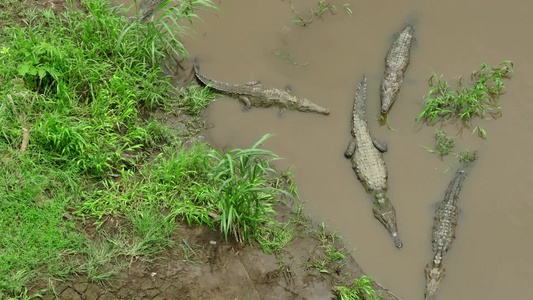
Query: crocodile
<point x="255" y="94"/>
<point x="367" y="162"/>
<point x="444" y="226"/>
<point x="396" y="62"/>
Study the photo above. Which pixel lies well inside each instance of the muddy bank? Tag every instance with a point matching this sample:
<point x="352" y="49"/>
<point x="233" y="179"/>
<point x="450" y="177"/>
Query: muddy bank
<point x="201" y="265"/>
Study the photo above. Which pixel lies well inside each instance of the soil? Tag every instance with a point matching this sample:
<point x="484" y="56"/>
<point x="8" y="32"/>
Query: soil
<point x="202" y="265"/>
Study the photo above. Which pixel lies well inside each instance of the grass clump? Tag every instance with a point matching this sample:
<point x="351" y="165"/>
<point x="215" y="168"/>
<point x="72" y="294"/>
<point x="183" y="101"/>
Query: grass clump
<point x="328" y="257"/>
<point x="287" y="56"/>
<point x="466" y="103"/>
<point x="195" y="99"/>
<point x="360" y="289"/>
<point x="322" y="7"/>
<point x="273" y="237"/>
<point x="445" y="144"/>
<point x="244" y="195"/>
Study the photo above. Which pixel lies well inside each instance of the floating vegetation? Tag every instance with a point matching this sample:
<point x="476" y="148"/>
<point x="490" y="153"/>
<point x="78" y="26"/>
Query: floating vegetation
<point x="445" y="144"/>
<point x="465" y="103"/>
<point x="361" y="288"/>
<point x="321" y="8"/>
<point x="287" y="56"/>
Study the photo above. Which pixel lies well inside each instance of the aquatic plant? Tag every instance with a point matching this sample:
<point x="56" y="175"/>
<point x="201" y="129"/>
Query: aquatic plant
<point x="463" y="103"/>
<point x="360" y="289"/>
<point x="245" y="195"/>
<point x="321" y="8"/>
<point x="287" y="56"/>
<point x="444" y="145"/>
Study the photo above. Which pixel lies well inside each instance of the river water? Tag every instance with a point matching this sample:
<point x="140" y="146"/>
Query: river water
<point x="492" y="255"/>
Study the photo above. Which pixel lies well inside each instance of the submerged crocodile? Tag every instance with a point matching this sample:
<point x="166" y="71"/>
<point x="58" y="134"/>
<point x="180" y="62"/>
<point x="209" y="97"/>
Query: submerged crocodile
<point x="368" y="164"/>
<point x="444" y="231"/>
<point x="396" y="62"/>
<point x="255" y="94"/>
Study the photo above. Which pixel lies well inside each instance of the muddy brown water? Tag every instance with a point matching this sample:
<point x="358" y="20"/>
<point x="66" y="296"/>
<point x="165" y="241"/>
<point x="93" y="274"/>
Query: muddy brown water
<point x="491" y="257"/>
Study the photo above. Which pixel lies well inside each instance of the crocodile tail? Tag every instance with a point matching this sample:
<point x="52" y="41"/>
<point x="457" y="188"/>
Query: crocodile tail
<point x="360" y="96"/>
<point x="359" y="104"/>
<point x="200" y="77"/>
<point x="196" y="66"/>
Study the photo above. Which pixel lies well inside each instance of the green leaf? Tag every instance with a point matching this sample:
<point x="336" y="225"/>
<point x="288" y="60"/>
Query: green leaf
<point x="24" y="69"/>
<point x="42" y="72"/>
<point x="53" y="72"/>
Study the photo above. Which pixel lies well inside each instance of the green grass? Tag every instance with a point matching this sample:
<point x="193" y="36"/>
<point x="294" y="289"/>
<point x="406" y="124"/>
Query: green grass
<point x="445" y="144"/>
<point x="274" y="236"/>
<point x="287" y="56"/>
<point x="92" y="176"/>
<point x="322" y="7"/>
<point x="34" y="196"/>
<point x="245" y="196"/>
<point x="467" y="103"/>
<point x="75" y="148"/>
<point x="328" y="257"/>
<point x="360" y="289"/>
<point x="195" y="99"/>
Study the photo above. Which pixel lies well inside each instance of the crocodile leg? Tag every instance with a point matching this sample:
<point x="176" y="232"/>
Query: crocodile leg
<point x="252" y="83"/>
<point x="382" y="147"/>
<point x="288" y="89"/>
<point x="246" y="101"/>
<point x="351" y="149"/>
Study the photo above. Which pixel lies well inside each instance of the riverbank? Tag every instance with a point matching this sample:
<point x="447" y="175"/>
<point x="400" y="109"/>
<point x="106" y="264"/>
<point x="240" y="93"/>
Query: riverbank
<point x="108" y="189"/>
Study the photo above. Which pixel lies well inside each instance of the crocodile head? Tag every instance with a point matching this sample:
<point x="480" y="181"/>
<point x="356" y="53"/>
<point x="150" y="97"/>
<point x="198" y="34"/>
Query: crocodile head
<point x="385" y="213"/>
<point x="389" y="90"/>
<point x="308" y="106"/>
<point x="434" y="274"/>
<point x="302" y="104"/>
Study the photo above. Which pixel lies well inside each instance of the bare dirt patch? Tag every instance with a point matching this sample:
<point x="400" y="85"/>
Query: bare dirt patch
<point x="202" y="265"/>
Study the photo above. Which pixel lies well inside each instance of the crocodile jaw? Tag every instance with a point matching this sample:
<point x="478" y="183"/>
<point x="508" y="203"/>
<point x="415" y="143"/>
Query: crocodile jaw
<point x="304" y="105"/>
<point x="434" y="275"/>
<point x="385" y="213"/>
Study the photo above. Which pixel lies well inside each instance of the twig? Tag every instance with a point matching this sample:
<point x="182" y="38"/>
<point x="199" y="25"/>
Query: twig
<point x="25" y="139"/>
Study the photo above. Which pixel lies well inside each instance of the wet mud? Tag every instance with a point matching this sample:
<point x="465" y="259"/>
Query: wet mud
<point x="203" y="266"/>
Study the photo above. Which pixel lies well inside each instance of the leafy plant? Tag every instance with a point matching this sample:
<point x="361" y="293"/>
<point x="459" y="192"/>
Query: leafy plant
<point x="360" y="289"/>
<point x="165" y="29"/>
<point x="287" y="56"/>
<point x="465" y="157"/>
<point x="444" y="145"/>
<point x="464" y="103"/>
<point x="322" y="7"/>
<point x="244" y="196"/>
<point x="273" y="236"/>
<point x="195" y="99"/>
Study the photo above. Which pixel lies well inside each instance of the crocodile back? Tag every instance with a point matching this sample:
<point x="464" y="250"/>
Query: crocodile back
<point x="398" y="55"/>
<point x="367" y="160"/>
<point x="447" y="214"/>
